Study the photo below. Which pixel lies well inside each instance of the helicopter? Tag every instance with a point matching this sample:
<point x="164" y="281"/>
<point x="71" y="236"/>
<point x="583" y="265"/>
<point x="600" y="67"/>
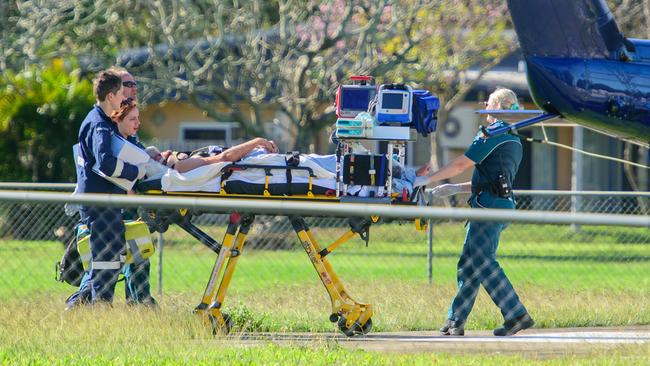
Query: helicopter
<point x="580" y="67"/>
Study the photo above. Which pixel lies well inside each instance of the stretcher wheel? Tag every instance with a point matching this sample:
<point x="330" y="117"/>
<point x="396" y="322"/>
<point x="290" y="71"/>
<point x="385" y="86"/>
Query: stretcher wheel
<point x="217" y="328"/>
<point x="355" y="329"/>
<point x="349" y="332"/>
<point x="365" y="329"/>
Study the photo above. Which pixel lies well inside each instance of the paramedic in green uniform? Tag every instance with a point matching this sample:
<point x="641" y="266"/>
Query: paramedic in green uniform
<point x="495" y="161"/>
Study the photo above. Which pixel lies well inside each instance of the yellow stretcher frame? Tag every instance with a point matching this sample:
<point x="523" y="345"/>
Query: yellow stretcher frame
<point x="352" y="317"/>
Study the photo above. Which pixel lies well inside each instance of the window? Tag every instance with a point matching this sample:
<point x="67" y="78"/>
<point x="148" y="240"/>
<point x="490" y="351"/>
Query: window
<point x="204" y="134"/>
<point x="221" y="133"/>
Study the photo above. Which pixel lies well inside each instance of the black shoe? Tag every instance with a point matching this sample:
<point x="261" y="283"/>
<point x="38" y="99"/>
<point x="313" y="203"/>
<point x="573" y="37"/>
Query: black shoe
<point x="453" y="328"/>
<point x="511" y="327"/>
<point x="76" y="300"/>
<point x="149" y="302"/>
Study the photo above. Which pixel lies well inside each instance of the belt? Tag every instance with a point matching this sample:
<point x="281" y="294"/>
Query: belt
<point x="485" y="187"/>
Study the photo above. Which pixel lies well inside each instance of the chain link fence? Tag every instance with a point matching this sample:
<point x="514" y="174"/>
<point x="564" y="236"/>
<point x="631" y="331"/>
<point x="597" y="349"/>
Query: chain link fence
<point x="551" y="266"/>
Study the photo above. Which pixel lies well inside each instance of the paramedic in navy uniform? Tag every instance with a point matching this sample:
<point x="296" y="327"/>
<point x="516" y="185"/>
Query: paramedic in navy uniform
<point x="107" y="243"/>
<point x="492" y="158"/>
<point x="136" y="275"/>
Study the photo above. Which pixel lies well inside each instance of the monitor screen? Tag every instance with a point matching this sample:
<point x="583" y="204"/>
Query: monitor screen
<point x="392" y="101"/>
<point x="356" y="99"/>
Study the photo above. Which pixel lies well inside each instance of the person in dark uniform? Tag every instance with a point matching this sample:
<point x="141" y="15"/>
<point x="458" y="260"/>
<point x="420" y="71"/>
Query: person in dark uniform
<point x="495" y="161"/>
<point x="107" y="243"/>
<point x="136" y="275"/>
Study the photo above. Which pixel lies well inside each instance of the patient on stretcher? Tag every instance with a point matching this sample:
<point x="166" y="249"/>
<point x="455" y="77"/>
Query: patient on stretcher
<point x="202" y="169"/>
<point x="183" y="162"/>
<point x="208" y="177"/>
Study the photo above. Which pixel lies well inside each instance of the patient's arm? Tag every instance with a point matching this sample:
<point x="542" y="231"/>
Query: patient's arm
<point x="232" y="154"/>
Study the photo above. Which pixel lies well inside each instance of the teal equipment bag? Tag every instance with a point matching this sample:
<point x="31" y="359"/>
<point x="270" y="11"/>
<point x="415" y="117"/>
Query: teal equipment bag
<point x="425" y="112"/>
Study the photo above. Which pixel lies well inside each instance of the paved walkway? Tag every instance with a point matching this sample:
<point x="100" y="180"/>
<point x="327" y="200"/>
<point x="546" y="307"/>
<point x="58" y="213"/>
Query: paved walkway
<point x="541" y="342"/>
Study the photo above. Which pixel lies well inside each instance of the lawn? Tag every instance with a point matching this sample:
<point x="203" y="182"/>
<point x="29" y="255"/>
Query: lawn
<point x="599" y="276"/>
<point x="595" y="277"/>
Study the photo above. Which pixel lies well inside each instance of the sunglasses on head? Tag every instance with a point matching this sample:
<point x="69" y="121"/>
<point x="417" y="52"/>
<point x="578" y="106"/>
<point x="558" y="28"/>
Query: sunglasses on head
<point x="126" y="102"/>
<point x="129" y="84"/>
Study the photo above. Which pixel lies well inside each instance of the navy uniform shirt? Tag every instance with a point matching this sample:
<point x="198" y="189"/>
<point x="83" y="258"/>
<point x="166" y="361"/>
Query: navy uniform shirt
<point x="95" y="147"/>
<point x="493" y="156"/>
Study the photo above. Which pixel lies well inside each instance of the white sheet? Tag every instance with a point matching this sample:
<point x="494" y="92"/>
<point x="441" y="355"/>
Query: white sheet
<point x="208" y="177"/>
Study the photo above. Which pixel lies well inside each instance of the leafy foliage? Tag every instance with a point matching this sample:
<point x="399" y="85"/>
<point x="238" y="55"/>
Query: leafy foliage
<point x="40" y="113"/>
<point x="236" y="60"/>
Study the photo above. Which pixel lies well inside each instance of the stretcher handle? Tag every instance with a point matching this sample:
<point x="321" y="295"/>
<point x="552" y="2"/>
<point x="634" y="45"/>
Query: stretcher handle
<point x="234" y="167"/>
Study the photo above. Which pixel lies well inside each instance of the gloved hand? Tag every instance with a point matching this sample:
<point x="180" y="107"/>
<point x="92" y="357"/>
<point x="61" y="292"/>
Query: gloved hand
<point x="445" y="190"/>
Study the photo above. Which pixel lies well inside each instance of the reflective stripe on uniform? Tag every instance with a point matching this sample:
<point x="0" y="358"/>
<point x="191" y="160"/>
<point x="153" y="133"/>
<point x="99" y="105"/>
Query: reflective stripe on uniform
<point x="105" y="265"/>
<point x="85" y="257"/>
<point x="119" y="166"/>
<point x="122" y="258"/>
<point x="143" y="240"/>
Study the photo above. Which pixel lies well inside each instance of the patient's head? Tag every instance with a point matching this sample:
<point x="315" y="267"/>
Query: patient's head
<point x="127" y="117"/>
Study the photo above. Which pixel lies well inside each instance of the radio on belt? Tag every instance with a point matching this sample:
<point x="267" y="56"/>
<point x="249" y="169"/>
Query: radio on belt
<point x="394" y="104"/>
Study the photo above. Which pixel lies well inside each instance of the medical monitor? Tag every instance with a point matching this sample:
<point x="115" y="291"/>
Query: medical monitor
<point x="394" y="100"/>
<point x="354" y="99"/>
<point x="394" y="103"/>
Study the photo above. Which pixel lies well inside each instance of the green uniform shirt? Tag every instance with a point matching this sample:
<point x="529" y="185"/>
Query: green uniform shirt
<point x="493" y="156"/>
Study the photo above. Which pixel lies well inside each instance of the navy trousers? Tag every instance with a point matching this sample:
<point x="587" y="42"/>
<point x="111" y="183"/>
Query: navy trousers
<point x="478" y="266"/>
<point x="107" y="248"/>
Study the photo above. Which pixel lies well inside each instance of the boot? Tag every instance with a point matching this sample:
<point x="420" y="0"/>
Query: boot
<point x="453" y="328"/>
<point x="511" y="327"/>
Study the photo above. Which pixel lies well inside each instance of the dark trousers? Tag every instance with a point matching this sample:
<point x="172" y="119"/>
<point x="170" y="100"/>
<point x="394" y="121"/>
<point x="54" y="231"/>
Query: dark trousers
<point x="478" y="266"/>
<point x="137" y="288"/>
<point x="107" y="248"/>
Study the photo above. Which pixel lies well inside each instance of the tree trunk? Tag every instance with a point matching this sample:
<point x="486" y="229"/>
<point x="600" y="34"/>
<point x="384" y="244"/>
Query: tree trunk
<point x="305" y="138"/>
<point x="646" y="14"/>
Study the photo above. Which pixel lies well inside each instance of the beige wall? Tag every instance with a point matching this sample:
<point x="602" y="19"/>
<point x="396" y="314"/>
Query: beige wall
<point x="466" y="176"/>
<point x="162" y="121"/>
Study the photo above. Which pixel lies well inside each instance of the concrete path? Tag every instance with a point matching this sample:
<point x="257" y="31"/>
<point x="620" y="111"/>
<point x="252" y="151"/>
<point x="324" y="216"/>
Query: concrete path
<point x="540" y="342"/>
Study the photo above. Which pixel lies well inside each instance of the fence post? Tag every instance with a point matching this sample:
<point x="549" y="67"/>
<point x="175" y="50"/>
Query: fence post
<point x="576" y="174"/>
<point x="160" y="263"/>
<point x="430" y="239"/>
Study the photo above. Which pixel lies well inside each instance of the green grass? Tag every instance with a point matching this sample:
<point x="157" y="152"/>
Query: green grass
<point x="597" y="277"/>
<point x="600" y="276"/>
<point x="46" y="335"/>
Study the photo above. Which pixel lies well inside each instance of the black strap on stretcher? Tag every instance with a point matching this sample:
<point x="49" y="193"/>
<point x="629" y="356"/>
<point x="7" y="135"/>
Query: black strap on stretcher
<point x="293" y="160"/>
<point x="228" y="169"/>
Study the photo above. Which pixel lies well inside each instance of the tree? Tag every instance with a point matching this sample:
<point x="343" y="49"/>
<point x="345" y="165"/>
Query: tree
<point x="232" y="59"/>
<point x="461" y="41"/>
<point x="41" y="109"/>
<point x="632" y="17"/>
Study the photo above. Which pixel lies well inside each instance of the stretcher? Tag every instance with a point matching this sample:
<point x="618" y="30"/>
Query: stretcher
<point x="351" y="317"/>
